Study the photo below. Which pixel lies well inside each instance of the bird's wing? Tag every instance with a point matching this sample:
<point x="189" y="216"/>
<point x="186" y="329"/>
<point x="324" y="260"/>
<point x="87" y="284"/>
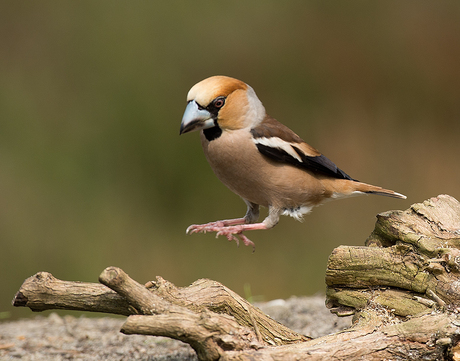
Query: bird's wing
<point x="281" y="144"/>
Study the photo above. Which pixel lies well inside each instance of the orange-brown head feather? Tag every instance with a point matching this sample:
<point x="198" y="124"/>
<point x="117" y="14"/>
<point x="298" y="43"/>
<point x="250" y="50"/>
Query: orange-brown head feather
<point x="242" y="107"/>
<point x="208" y="89"/>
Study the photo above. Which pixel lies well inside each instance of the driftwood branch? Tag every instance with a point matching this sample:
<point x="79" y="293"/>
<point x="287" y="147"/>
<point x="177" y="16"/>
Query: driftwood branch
<point x="43" y="292"/>
<point x="207" y="315"/>
<point x="402" y="287"/>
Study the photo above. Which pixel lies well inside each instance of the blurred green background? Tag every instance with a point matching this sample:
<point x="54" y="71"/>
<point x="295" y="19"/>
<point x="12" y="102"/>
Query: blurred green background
<point x="93" y="172"/>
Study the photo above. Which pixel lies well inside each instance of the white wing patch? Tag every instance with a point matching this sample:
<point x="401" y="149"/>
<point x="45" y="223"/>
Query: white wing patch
<point x="275" y="142"/>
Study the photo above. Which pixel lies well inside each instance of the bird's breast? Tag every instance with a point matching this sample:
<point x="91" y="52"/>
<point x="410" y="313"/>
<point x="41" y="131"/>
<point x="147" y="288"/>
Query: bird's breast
<point x="238" y="164"/>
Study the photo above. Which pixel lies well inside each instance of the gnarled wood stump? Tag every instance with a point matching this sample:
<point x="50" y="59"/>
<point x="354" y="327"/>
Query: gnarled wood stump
<point x="402" y="288"/>
<point x="411" y="261"/>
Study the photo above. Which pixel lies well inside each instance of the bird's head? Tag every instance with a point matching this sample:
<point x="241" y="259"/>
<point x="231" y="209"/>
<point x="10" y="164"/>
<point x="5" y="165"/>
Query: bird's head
<point x="224" y="102"/>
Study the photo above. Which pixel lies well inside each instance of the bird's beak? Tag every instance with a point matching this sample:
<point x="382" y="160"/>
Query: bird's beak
<point x="195" y="118"/>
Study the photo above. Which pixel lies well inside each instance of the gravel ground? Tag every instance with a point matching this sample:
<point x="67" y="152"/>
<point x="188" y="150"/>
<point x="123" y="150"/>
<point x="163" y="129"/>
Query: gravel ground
<point x="56" y="338"/>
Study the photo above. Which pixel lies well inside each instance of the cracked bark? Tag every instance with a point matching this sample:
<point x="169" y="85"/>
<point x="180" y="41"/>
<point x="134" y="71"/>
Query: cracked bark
<point x="402" y="287"/>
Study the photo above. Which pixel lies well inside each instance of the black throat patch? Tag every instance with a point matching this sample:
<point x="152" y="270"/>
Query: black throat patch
<point x="212" y="133"/>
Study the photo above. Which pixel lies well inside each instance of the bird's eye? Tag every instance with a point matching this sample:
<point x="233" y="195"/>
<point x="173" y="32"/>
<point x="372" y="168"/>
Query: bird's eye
<point x="219" y="103"/>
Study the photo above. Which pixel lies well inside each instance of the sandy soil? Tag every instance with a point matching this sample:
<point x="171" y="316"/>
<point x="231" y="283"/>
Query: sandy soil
<point x="55" y="338"/>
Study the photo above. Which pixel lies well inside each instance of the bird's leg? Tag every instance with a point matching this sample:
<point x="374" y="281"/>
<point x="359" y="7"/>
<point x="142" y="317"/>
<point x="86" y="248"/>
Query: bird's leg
<point x="234" y="232"/>
<point x="252" y="214"/>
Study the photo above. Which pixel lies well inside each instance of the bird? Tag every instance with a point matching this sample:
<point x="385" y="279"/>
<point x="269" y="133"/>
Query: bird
<point x="260" y="159"/>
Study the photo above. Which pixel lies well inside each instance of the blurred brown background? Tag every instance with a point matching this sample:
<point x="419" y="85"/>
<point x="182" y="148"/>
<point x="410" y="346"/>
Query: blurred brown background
<point x="93" y="172"/>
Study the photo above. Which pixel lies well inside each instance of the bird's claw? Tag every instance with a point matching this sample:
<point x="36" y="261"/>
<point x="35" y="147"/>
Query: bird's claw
<point x="192" y="229"/>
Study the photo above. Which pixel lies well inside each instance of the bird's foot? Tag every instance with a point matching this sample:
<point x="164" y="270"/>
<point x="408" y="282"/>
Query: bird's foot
<point x="230" y="229"/>
<point x="213" y="226"/>
<point x="233" y="233"/>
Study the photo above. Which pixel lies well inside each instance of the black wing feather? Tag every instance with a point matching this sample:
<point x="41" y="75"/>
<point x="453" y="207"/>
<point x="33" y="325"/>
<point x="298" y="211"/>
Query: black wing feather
<point x="318" y="164"/>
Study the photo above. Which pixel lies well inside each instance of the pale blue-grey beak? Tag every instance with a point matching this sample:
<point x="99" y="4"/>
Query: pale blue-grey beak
<point x="195" y="118"/>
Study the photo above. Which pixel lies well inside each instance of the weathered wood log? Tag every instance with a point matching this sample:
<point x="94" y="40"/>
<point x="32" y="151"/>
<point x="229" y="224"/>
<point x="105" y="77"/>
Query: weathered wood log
<point x="375" y="336"/>
<point x="45" y="292"/>
<point x="207" y="315"/>
<point x="411" y="262"/>
<point x="402" y="288"/>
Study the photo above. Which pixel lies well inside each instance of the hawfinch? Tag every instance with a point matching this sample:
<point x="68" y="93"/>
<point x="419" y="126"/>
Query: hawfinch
<point x="260" y="159"/>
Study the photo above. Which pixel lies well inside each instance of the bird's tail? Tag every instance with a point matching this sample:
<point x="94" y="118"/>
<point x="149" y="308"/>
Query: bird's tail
<point x="370" y="189"/>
